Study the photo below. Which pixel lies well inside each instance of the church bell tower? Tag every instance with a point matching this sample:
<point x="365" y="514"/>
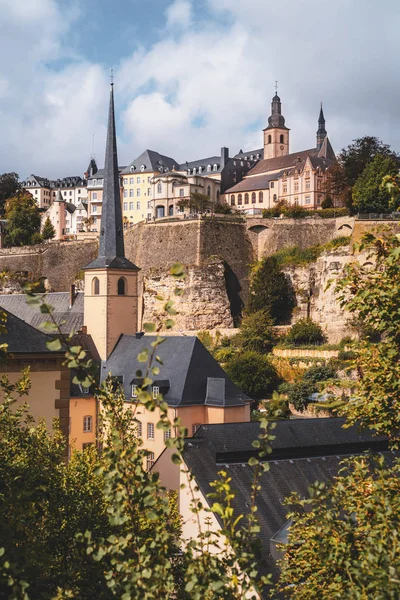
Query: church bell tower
<point x="276" y="134"/>
<point x="111" y="287"/>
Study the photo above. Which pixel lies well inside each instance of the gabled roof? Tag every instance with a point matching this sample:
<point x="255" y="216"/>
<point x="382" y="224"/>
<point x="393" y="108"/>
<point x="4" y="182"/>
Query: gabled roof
<point x="23" y="338"/>
<point x="188" y="366"/>
<point x="29" y="313"/>
<point x="304" y="451"/>
<point x="281" y="162"/>
<point x="251" y="184"/>
<point x="152" y="162"/>
<point x="326" y="150"/>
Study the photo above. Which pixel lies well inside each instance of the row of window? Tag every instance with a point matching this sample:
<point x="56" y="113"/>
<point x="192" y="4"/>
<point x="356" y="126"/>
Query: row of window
<point x="121" y="286"/>
<point x="200" y="170"/>
<point x="138" y="180"/>
<point x="167" y="432"/>
<point x="131" y="206"/>
<point x="247" y="198"/>
<point x="281" y="139"/>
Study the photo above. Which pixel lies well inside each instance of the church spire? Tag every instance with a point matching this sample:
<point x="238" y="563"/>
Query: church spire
<point x="321" y="133"/>
<point x="276" y="134"/>
<point x="111" y="244"/>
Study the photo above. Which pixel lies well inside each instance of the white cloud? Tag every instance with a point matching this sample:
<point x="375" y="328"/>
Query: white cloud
<point x="207" y="81"/>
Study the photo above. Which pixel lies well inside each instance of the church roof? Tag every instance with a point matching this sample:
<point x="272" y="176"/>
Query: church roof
<point x="251" y="184"/>
<point x="326" y="150"/>
<point x="194" y="377"/>
<point x="281" y="162"/>
<point x="149" y="162"/>
<point x="22" y="338"/>
<point x="111" y="253"/>
<point x="71" y="319"/>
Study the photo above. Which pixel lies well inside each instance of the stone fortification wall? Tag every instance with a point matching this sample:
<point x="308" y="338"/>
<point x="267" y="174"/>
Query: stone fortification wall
<point x="204" y="303"/>
<point x="57" y="262"/>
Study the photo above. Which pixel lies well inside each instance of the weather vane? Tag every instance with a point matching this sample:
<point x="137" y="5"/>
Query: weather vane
<point x="112" y="76"/>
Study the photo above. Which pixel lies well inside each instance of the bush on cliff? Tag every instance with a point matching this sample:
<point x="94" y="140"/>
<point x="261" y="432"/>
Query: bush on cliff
<point x="305" y="332"/>
<point x="270" y="291"/>
<point x="253" y="373"/>
<point x="257" y="332"/>
<point x="23" y="216"/>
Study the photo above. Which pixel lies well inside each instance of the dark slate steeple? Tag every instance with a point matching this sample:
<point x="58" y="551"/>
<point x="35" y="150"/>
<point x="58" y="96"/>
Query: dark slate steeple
<point x="111" y="253"/>
<point x="321" y="133"/>
<point x="276" y="119"/>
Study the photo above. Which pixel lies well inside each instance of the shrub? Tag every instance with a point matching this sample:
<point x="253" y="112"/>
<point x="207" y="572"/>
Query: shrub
<point x="300" y="395"/>
<point x="319" y="373"/>
<point x="253" y="373"/>
<point x="270" y="291"/>
<point x="257" y="333"/>
<point x="304" y="332"/>
<point x="330" y="213"/>
<point x="347" y="355"/>
<point x="296" y="212"/>
<point x="222" y="209"/>
<point x="327" y="202"/>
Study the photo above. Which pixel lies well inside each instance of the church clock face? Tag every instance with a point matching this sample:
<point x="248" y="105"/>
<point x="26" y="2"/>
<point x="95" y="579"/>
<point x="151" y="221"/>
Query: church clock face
<point x="282" y="147"/>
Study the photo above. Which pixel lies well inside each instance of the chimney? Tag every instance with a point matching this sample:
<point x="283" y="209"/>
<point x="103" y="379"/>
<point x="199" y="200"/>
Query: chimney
<point x="139" y="335"/>
<point x="224" y="156"/>
<point x="71" y="295"/>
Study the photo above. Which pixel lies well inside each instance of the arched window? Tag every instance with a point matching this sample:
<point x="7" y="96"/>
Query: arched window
<point x="215" y="167"/>
<point x="233" y="200"/>
<point x="194" y="171"/>
<point x="246" y="198"/>
<point x="240" y="199"/>
<point x="253" y="198"/>
<point x="200" y="170"/>
<point x="159" y="188"/>
<point x="95" y="286"/>
<point x="269" y="139"/>
<point x="275" y="198"/>
<point x="209" y="191"/>
<point x="160" y="212"/>
<point x="261" y="197"/>
<point x="121" y="286"/>
<point x="217" y="194"/>
<point x="208" y="168"/>
<point x="281" y="139"/>
<point x="171" y="210"/>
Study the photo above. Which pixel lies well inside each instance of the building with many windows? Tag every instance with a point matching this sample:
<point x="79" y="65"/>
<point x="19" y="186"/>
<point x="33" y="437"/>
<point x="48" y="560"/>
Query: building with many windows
<point x="297" y="178"/>
<point x="73" y="189"/>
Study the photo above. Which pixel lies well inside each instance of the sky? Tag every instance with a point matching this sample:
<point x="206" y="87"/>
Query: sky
<point x="190" y="76"/>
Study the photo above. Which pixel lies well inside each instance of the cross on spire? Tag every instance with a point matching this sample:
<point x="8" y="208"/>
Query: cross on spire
<point x="112" y="76"/>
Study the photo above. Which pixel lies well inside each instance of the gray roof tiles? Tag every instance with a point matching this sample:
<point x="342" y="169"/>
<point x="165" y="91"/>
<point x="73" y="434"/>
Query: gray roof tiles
<point x="151" y="161"/>
<point x="187" y="365"/>
<point x="23" y="338"/>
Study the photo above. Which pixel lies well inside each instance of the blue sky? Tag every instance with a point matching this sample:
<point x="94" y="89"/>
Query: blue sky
<point x="190" y="76"/>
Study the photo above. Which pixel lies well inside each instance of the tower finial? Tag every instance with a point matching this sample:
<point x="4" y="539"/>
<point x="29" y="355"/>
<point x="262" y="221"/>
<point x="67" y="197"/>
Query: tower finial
<point x="276" y="86"/>
<point x="112" y="76"/>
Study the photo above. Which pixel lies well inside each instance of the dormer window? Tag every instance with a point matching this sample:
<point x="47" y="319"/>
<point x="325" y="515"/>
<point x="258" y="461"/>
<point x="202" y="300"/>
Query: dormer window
<point x="194" y="171"/>
<point x="134" y="391"/>
<point x="188" y="171"/>
<point x="215" y="167"/>
<point x="208" y="168"/>
<point x="132" y="169"/>
<point x="200" y="170"/>
<point x="142" y="168"/>
<point x="156" y="392"/>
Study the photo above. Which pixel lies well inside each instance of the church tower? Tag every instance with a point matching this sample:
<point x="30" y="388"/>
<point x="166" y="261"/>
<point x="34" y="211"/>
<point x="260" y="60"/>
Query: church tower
<point x="276" y="135"/>
<point x="111" y="288"/>
<point x="321" y="133"/>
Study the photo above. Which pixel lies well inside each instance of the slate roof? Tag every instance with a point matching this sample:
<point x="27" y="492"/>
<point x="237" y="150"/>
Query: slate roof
<point x="249" y="153"/>
<point x="23" y="338"/>
<point x="202" y="162"/>
<point x="304" y="451"/>
<point x="188" y="366"/>
<point x="250" y="184"/>
<point x="30" y="313"/>
<point x="64" y="182"/>
<point x="152" y="161"/>
<point x="100" y="173"/>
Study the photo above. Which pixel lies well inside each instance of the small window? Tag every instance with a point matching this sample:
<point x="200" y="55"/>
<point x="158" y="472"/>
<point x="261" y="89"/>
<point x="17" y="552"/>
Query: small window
<point x="142" y="168"/>
<point x="150" y="431"/>
<point x="181" y="192"/>
<point x="159" y="188"/>
<point x="94" y="196"/>
<point x="150" y="460"/>
<point x="156" y="391"/>
<point x="121" y="286"/>
<point x="195" y="427"/>
<point x="233" y="200"/>
<point x="132" y="169"/>
<point x="134" y="391"/>
<point x="94" y="181"/>
<point x="138" y="180"/>
<point x="215" y="167"/>
<point x="131" y="180"/>
<point x="131" y="193"/>
<point x="246" y="198"/>
<point x="240" y="199"/>
<point x="272" y="184"/>
<point x="281" y="139"/>
<point x="253" y="198"/>
<point x="95" y="286"/>
<point x="87" y="445"/>
<point x="269" y="139"/>
<point x="125" y="193"/>
<point x="139" y="428"/>
<point x="308" y="200"/>
<point x="208" y="168"/>
<point x="87" y="424"/>
<point x="138" y="205"/>
<point x="275" y="198"/>
<point x="167" y="434"/>
<point x="209" y="191"/>
<point x="138" y="193"/>
<point x="261" y="197"/>
<point x="125" y="206"/>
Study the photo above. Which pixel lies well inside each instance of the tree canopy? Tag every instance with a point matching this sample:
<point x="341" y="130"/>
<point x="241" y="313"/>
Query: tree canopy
<point x="369" y="195"/>
<point x="23" y="216"/>
<point x="270" y="291"/>
<point x="253" y="373"/>
<point x="356" y="156"/>
<point x="9" y="187"/>
<point x="48" y="231"/>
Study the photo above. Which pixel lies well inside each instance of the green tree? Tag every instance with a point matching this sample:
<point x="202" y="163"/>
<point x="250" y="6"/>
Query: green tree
<point x="299" y="394"/>
<point x="222" y="209"/>
<point x="305" y="332"/>
<point x="196" y="203"/>
<point x="24" y="220"/>
<point x="368" y="193"/>
<point x="253" y="373"/>
<point x="9" y="187"/>
<point x="319" y="373"/>
<point x="48" y="231"/>
<point x="354" y="158"/>
<point x="257" y="332"/>
<point x="270" y="291"/>
<point x="327" y="202"/>
<point x="343" y="540"/>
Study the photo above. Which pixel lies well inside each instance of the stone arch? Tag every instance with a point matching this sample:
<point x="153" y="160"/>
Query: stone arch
<point x="258" y="228"/>
<point x="345" y="226"/>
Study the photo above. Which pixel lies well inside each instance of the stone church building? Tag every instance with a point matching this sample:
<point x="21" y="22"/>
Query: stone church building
<point x="296" y="178"/>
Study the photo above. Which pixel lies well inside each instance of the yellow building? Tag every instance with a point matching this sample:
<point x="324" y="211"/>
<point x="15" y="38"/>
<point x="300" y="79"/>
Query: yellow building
<point x="298" y="178"/>
<point x="138" y="186"/>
